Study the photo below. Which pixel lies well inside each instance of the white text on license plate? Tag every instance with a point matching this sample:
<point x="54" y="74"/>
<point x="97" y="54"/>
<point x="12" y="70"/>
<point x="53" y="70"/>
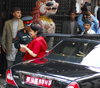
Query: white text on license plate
<point x="38" y="81"/>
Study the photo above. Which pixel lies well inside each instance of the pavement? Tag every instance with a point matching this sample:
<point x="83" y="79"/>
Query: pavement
<point x="2" y="81"/>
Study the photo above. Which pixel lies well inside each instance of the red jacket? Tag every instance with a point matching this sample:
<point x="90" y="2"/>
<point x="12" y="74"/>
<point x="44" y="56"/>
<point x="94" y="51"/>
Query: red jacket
<point x="39" y="46"/>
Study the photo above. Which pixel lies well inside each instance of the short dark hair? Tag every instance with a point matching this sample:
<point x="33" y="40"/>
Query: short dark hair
<point x="16" y="9"/>
<point x="72" y="10"/>
<point x="87" y="21"/>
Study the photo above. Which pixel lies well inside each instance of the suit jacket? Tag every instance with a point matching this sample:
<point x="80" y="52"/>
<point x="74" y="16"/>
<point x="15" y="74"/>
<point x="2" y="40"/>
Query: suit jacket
<point x="66" y="28"/>
<point x="7" y="35"/>
<point x="0" y="39"/>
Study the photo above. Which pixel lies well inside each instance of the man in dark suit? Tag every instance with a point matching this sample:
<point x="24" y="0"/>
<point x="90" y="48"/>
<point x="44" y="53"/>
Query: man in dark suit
<point x="71" y="26"/>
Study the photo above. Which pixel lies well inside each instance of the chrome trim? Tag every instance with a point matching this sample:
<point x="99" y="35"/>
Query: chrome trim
<point x="51" y="77"/>
<point x="88" y="77"/>
<point x="17" y="77"/>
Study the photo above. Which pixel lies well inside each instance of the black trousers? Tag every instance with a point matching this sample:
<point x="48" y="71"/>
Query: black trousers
<point x="3" y="62"/>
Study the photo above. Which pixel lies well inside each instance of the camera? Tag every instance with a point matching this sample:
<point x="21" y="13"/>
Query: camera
<point x="85" y="6"/>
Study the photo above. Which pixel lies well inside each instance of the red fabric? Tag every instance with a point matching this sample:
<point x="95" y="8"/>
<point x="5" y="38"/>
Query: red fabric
<point x="38" y="46"/>
<point x="27" y="22"/>
<point x="16" y="38"/>
<point x="99" y="23"/>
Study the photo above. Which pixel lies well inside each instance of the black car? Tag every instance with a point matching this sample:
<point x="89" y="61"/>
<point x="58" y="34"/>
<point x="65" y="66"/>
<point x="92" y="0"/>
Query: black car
<point x="72" y="63"/>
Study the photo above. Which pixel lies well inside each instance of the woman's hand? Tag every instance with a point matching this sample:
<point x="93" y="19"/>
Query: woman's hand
<point x="22" y="48"/>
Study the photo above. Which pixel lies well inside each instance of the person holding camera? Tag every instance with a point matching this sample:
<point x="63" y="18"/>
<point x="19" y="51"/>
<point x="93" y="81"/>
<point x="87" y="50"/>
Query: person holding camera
<point x="97" y="12"/>
<point x="87" y="15"/>
<point x="87" y="27"/>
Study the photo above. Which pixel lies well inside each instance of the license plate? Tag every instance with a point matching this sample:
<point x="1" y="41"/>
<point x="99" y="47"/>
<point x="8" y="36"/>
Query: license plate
<point x="38" y="81"/>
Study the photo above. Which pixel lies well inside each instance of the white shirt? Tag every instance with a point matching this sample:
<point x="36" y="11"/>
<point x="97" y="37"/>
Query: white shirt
<point x="15" y="27"/>
<point x="11" y="57"/>
<point x="95" y="11"/>
<point x="90" y="31"/>
<point x="72" y="24"/>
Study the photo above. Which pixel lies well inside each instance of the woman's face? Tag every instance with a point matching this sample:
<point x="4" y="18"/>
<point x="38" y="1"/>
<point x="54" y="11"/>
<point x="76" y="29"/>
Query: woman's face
<point x="32" y="33"/>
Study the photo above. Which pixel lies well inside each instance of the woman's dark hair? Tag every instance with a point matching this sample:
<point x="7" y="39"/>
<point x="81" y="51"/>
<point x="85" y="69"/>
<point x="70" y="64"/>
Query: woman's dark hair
<point x="38" y="28"/>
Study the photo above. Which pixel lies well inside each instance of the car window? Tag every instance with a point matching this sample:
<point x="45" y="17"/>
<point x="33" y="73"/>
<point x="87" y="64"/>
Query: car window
<point x="72" y="51"/>
<point x="93" y="58"/>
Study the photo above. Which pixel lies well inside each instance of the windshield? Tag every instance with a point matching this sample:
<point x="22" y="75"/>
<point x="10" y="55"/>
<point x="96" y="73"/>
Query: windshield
<point x="72" y="51"/>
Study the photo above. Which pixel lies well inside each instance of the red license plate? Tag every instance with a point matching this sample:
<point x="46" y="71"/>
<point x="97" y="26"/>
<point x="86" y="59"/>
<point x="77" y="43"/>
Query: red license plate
<point x="38" y="81"/>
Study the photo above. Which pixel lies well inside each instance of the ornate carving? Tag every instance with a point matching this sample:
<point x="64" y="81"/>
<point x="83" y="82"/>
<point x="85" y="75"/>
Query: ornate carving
<point x="41" y="13"/>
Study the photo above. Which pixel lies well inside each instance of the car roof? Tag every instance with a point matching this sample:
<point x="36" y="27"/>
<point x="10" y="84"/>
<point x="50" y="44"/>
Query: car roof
<point x="85" y="36"/>
<point x="60" y="37"/>
<point x="91" y="37"/>
<point x="81" y="39"/>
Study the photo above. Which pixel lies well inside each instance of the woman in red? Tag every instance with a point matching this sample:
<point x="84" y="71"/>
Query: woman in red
<point x="37" y="47"/>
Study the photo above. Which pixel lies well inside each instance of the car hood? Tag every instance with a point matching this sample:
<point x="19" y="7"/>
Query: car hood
<point x="45" y="66"/>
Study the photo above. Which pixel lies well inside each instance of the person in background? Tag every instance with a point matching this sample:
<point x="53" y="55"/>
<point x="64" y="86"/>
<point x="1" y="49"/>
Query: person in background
<point x="87" y="27"/>
<point x="37" y="47"/>
<point x="9" y="33"/>
<point x="0" y="51"/>
<point x="23" y="37"/>
<point x="94" y="21"/>
<point x="97" y="12"/>
<point x="0" y="43"/>
<point x="71" y="26"/>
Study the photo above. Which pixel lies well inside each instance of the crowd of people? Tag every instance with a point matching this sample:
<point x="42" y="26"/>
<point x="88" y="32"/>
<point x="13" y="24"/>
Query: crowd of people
<point x="86" y="24"/>
<point x="22" y="39"/>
